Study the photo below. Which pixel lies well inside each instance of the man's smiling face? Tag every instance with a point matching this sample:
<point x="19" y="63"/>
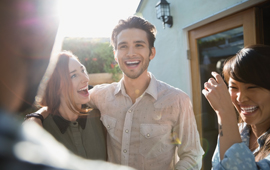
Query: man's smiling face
<point x="133" y="53"/>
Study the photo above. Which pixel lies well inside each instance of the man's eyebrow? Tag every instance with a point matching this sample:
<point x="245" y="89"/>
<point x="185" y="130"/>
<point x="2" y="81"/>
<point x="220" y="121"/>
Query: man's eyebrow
<point x="122" y="43"/>
<point x="140" y="41"/>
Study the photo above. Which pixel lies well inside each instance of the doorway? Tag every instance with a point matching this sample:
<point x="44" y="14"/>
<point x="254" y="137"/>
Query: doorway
<point x="210" y="45"/>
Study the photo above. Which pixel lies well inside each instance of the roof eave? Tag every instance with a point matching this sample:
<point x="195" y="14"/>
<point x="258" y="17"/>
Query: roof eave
<point x="139" y="6"/>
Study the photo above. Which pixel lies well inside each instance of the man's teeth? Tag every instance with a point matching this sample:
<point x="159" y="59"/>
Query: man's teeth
<point x="132" y="62"/>
<point x="85" y="88"/>
<point x="249" y="109"/>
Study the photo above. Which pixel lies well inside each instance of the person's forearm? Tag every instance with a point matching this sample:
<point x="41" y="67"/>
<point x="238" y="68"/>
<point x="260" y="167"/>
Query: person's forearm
<point x="43" y="112"/>
<point x="228" y="132"/>
<point x="38" y="119"/>
<point x="217" y="94"/>
<point x="34" y="119"/>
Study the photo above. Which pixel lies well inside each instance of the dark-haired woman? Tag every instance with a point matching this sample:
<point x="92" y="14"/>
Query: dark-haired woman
<point x="246" y="144"/>
<point x="80" y="130"/>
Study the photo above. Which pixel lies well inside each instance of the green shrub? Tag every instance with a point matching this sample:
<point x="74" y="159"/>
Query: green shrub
<point x="95" y="54"/>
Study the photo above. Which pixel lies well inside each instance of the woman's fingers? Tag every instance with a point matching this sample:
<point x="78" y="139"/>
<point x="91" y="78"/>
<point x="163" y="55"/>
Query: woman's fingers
<point x="212" y="90"/>
<point x="207" y="86"/>
<point x="212" y="81"/>
<point x="210" y="84"/>
<point x="205" y="92"/>
<point x="216" y="92"/>
<point x="214" y="86"/>
<point x="218" y="78"/>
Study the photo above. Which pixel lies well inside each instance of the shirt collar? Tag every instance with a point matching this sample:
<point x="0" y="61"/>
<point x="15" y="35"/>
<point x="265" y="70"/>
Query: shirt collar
<point x="119" y="86"/>
<point x="262" y="138"/>
<point x="245" y="131"/>
<point x="63" y="124"/>
<point x="151" y="89"/>
<point x="245" y="135"/>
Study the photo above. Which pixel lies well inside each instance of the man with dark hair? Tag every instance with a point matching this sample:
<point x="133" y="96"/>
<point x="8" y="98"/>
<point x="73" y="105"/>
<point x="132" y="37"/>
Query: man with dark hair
<point x="148" y="121"/>
<point x="28" y="29"/>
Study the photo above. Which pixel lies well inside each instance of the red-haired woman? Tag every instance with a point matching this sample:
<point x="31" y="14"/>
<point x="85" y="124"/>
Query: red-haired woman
<point x="79" y="129"/>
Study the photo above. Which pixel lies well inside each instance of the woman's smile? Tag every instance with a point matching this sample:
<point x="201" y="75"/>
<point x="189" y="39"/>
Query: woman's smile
<point x="248" y="110"/>
<point x="84" y="91"/>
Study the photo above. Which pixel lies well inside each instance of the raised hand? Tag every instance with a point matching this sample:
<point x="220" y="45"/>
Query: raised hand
<point x="217" y="94"/>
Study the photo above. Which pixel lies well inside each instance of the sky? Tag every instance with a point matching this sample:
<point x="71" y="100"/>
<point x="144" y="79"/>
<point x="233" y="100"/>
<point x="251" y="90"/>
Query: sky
<point x="93" y="18"/>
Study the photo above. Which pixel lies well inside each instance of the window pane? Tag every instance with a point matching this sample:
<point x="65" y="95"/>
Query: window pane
<point x="213" y="50"/>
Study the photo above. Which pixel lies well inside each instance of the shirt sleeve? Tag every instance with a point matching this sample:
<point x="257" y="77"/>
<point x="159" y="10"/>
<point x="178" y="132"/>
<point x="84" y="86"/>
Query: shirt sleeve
<point x="97" y="95"/>
<point x="216" y="158"/>
<point x="189" y="148"/>
<point x="239" y="156"/>
<point x="92" y="94"/>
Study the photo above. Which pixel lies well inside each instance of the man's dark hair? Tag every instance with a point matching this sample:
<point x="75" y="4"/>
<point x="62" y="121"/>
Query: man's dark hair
<point x="134" y="22"/>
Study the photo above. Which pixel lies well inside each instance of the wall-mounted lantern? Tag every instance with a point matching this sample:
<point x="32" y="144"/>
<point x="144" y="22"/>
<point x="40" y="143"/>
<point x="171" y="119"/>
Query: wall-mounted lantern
<point x="163" y="13"/>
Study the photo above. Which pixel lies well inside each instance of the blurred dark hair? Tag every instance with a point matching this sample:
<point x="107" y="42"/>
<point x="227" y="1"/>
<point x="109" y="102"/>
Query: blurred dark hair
<point x="134" y="22"/>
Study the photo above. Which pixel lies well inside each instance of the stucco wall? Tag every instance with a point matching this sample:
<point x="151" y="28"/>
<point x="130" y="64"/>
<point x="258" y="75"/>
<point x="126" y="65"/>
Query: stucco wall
<point x="171" y="64"/>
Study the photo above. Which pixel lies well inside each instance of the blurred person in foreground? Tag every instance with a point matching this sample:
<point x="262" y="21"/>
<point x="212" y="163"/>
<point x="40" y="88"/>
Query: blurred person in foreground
<point x="242" y="144"/>
<point x="27" y="33"/>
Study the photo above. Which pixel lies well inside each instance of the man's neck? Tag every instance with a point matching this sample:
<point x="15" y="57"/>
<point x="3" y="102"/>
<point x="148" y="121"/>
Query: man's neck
<point x="136" y="87"/>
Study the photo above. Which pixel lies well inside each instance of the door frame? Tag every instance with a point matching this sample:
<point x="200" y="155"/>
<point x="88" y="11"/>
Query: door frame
<point x="247" y="19"/>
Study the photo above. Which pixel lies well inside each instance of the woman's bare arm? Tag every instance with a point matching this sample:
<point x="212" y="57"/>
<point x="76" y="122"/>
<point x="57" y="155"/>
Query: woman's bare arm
<point x="217" y="94"/>
<point x="43" y="112"/>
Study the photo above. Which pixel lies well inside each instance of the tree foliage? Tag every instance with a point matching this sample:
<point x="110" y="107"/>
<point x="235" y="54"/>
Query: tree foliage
<point x="95" y="54"/>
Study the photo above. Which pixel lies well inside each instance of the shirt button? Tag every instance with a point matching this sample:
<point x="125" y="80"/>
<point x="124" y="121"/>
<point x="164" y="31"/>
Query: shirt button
<point x="108" y="126"/>
<point x="127" y="131"/>
<point x="129" y="111"/>
<point x="125" y="151"/>
<point x="75" y="123"/>
<point x="148" y="135"/>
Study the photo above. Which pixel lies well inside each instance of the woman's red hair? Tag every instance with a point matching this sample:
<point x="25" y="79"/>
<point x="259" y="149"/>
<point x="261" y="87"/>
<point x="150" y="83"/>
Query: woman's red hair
<point x="60" y="83"/>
